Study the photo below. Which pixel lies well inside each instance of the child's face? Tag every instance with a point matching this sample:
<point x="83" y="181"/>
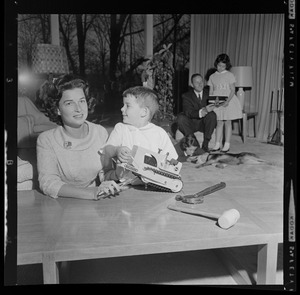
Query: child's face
<point x="190" y="150"/>
<point x="132" y="112"/>
<point x="221" y="67"/>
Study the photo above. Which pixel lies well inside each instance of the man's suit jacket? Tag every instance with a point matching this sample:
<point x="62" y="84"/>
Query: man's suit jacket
<point x="191" y="103"/>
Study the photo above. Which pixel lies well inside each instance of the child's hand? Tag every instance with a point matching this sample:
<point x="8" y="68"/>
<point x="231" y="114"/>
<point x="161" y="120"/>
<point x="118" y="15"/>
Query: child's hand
<point x="123" y="154"/>
<point x="225" y="104"/>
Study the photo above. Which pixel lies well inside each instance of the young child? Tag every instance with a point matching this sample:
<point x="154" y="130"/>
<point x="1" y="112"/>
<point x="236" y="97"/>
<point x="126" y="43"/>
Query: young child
<point x="139" y="106"/>
<point x="222" y="83"/>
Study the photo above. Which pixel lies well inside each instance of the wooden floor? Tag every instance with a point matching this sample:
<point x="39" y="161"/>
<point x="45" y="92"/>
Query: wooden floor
<point x="195" y="267"/>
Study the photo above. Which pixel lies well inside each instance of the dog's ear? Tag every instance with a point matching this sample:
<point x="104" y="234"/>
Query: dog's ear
<point x="183" y="143"/>
<point x="192" y="140"/>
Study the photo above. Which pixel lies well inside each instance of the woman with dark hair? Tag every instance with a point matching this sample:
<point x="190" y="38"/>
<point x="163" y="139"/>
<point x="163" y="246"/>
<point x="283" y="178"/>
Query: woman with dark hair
<point x="68" y="159"/>
<point x="222" y="83"/>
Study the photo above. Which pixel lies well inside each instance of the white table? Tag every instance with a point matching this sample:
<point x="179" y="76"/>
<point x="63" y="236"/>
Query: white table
<point x="138" y="222"/>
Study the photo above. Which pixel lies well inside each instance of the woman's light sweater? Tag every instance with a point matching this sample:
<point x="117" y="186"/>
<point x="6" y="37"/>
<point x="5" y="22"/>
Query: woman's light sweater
<point x="62" y="159"/>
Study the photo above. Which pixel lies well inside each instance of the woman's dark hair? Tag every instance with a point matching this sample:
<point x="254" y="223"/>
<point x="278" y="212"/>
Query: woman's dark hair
<point x="188" y="141"/>
<point x="51" y="92"/>
<point x="224" y="58"/>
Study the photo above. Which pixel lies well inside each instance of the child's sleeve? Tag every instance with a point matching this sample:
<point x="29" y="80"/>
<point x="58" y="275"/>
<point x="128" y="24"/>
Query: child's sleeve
<point x="232" y="78"/>
<point x="116" y="136"/>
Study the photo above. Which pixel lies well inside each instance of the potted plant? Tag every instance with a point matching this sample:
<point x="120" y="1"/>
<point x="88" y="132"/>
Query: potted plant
<point x="158" y="75"/>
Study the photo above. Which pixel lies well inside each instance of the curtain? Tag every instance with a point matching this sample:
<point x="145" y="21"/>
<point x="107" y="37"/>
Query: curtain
<point x="255" y="40"/>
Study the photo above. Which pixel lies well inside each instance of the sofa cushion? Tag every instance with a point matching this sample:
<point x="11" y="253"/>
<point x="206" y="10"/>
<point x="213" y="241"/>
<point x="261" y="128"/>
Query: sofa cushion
<point x="25" y="170"/>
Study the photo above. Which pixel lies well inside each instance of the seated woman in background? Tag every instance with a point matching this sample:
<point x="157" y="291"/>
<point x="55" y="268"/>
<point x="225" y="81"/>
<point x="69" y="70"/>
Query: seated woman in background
<point x="68" y="159"/>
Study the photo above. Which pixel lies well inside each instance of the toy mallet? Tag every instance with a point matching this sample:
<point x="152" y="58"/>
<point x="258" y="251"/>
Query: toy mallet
<point x="226" y="220"/>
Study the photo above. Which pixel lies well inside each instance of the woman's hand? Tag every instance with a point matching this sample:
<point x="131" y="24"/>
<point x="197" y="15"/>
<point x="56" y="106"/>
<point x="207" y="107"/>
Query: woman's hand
<point x="109" y="187"/>
<point x="123" y="154"/>
<point x="225" y="104"/>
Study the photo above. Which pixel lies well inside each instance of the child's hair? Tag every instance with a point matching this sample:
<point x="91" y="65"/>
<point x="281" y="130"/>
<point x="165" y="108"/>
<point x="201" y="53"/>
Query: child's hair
<point x="224" y="58"/>
<point x="145" y="97"/>
<point x="51" y="92"/>
<point x="188" y="141"/>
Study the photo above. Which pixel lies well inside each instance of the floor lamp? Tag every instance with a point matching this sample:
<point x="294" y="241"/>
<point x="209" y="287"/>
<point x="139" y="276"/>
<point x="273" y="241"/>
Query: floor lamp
<point x="243" y="76"/>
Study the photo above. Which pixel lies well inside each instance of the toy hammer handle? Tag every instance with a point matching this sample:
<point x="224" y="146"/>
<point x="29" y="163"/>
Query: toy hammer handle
<point x="210" y="190"/>
<point x="195" y="212"/>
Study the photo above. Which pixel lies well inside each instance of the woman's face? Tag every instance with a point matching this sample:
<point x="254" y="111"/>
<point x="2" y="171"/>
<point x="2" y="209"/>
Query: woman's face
<point x="73" y="107"/>
<point x="221" y="67"/>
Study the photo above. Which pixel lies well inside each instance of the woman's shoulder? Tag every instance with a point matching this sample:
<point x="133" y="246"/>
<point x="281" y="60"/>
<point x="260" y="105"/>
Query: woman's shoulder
<point x="49" y="137"/>
<point x="48" y="134"/>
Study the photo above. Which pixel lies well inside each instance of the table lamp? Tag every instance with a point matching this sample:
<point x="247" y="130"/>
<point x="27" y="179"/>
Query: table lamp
<point x="243" y="77"/>
<point x="49" y="59"/>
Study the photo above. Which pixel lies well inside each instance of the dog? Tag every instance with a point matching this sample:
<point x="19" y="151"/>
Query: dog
<point x="223" y="159"/>
<point x="187" y="147"/>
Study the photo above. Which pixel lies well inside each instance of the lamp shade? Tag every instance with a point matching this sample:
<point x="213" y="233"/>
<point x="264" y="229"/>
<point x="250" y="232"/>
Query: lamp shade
<point x="49" y="58"/>
<point x="243" y="76"/>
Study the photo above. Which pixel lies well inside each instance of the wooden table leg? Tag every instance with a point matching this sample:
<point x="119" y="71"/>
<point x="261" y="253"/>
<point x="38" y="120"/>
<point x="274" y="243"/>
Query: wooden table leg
<point x="267" y="263"/>
<point x="244" y="127"/>
<point x="50" y="270"/>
